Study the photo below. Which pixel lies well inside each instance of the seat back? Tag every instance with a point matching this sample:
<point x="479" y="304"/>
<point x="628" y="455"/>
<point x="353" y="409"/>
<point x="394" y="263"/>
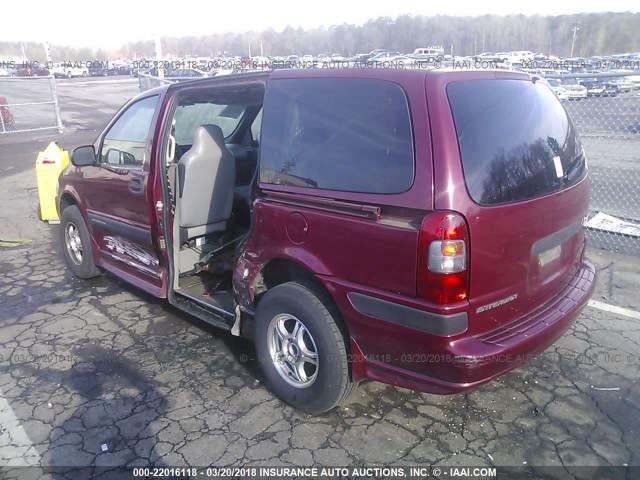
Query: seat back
<point x="206" y="175"/>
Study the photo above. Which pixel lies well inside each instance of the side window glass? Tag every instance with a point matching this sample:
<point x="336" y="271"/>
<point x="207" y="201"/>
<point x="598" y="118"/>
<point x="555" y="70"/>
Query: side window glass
<point x="349" y="134"/>
<point x="125" y="143"/>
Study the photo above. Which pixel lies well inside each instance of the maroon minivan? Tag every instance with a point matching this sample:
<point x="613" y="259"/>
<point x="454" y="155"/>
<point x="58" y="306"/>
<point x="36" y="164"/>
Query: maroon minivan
<point x="419" y="228"/>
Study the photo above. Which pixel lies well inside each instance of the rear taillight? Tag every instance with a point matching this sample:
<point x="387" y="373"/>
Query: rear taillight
<point x="443" y="258"/>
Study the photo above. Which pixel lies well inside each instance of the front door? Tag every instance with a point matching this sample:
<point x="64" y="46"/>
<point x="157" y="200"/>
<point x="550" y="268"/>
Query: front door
<point x="119" y="202"/>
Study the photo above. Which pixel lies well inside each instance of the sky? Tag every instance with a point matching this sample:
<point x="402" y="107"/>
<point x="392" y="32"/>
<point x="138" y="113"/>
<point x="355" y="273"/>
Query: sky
<point x="112" y="23"/>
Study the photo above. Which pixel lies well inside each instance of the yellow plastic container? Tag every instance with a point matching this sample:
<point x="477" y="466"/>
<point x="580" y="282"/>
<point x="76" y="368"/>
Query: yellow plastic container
<point x="49" y="165"/>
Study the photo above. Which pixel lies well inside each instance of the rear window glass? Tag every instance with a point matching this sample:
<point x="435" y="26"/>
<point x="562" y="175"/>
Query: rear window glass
<point x="189" y="117"/>
<point x="337" y="134"/>
<point x="516" y="140"/>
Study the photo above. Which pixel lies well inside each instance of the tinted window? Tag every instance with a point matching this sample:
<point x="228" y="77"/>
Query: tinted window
<point x="337" y="134"/>
<point x="516" y="140"/>
<point x="126" y="141"/>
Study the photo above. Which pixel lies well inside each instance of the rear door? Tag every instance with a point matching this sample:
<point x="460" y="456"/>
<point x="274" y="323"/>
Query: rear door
<point x="118" y="196"/>
<point x="522" y="190"/>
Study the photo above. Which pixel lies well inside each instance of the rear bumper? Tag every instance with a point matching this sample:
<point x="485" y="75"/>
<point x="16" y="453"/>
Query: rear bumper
<point x="403" y="356"/>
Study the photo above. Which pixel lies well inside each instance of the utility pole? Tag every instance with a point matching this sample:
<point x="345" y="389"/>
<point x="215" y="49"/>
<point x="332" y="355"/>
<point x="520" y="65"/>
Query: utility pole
<point x="573" y="40"/>
<point x="158" y="48"/>
<point x="261" y="50"/>
<point x="47" y="52"/>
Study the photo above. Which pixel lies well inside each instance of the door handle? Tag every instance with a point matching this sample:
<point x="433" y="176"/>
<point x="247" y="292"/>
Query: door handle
<point x="135" y="185"/>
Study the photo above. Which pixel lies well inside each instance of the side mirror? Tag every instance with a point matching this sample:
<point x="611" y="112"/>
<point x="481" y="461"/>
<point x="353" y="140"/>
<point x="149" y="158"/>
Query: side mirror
<point x="83" y="156"/>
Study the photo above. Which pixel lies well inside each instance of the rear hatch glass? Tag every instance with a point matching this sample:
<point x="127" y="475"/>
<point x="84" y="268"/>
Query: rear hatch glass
<point x="522" y="164"/>
<point x="516" y="140"/>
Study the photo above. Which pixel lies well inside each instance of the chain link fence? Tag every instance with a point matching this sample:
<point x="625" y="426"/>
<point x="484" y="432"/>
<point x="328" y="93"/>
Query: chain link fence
<point x="28" y="104"/>
<point x="606" y="112"/>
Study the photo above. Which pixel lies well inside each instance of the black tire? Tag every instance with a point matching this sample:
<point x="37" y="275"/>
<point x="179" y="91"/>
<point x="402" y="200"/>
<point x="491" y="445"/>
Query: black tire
<point x="319" y="317"/>
<point x="85" y="267"/>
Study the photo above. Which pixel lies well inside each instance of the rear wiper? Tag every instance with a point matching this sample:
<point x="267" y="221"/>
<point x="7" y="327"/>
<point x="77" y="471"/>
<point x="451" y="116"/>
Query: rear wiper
<point x="578" y="161"/>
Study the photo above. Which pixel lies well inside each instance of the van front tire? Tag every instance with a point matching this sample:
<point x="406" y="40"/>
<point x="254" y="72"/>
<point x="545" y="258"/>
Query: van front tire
<point x="301" y="349"/>
<point x="76" y="244"/>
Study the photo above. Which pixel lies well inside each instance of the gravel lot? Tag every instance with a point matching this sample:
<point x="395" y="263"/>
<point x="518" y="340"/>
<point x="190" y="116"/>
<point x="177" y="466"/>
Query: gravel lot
<point x="84" y="364"/>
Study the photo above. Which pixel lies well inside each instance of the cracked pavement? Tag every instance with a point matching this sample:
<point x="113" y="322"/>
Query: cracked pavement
<point x="90" y="363"/>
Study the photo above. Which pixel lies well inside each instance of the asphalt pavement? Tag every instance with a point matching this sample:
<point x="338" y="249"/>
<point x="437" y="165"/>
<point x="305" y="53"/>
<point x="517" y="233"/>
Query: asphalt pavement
<point x="97" y="373"/>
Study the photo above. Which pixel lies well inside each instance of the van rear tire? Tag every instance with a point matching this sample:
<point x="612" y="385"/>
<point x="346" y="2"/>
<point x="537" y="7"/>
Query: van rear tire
<point x="311" y="333"/>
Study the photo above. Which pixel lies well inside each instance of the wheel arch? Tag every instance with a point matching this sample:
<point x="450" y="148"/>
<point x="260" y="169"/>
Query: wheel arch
<point x="283" y="270"/>
<point x="66" y="200"/>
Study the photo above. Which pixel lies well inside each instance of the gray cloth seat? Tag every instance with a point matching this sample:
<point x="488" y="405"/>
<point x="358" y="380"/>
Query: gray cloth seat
<point x="206" y="180"/>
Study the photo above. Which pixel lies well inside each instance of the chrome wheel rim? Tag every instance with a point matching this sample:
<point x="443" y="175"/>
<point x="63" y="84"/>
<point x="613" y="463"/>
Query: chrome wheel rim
<point x="292" y="351"/>
<point x="73" y="243"/>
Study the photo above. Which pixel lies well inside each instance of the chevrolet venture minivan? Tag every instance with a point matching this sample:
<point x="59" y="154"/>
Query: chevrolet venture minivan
<point x="418" y="228"/>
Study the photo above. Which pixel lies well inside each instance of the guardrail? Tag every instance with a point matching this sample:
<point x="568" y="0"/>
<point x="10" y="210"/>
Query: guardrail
<point x="29" y="104"/>
<point x="147" y="82"/>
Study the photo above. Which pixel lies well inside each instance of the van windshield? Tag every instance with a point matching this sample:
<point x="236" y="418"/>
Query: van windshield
<point x="516" y="140"/>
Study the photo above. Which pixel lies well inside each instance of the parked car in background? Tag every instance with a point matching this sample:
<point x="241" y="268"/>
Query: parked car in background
<point x="558" y="89"/>
<point x="363" y="57"/>
<point x="520" y="57"/>
<point x="7" y="72"/>
<point x="145" y="71"/>
<point x="575" y="89"/>
<point x="600" y="87"/>
<point x="186" y="74"/>
<point x="384" y="57"/>
<point x="98" y="70"/>
<point x="488" y="56"/>
<point x="219" y="72"/>
<point x="121" y="69"/>
<point x="224" y="196"/>
<point x="31" y="70"/>
<point x="427" y="54"/>
<point x="69" y="70"/>
<point x="624" y="83"/>
<point x="635" y="79"/>
<point x="260" y="62"/>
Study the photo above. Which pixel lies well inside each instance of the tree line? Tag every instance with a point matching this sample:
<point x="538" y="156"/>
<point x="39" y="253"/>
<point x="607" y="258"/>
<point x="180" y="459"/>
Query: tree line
<point x="595" y="34"/>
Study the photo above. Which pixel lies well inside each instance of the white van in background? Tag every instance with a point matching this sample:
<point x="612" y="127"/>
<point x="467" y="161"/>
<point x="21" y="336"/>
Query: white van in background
<point x="430" y="53"/>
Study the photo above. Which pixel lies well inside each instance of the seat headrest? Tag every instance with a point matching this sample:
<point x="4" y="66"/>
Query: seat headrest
<point x="209" y="133"/>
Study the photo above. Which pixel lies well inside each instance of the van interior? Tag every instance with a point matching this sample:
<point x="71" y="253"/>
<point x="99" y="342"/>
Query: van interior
<point x="211" y="159"/>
